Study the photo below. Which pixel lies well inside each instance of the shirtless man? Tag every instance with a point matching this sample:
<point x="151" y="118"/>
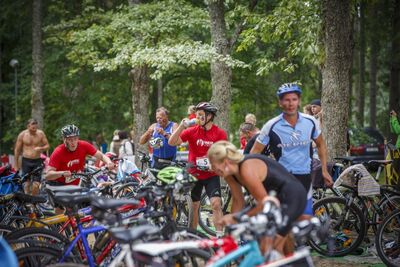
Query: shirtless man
<point x="31" y="142"/>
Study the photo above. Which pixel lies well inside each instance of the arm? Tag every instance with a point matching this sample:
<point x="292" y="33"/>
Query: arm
<point x="174" y="139"/>
<point x="252" y="172"/>
<point x="394" y="123"/>
<point x="45" y="144"/>
<point x="17" y="151"/>
<point x="104" y="158"/>
<point x="257" y="148"/>
<point x="322" y="153"/>
<point x="237" y="194"/>
<point x="147" y="135"/>
<point x="53" y="174"/>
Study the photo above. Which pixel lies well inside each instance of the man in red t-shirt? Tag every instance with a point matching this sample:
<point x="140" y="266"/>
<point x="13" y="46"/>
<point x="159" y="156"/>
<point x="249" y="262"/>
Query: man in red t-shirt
<point x="200" y="138"/>
<point x="70" y="157"/>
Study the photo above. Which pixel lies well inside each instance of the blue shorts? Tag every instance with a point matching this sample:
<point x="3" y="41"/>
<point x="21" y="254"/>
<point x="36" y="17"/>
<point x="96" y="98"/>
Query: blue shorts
<point x="305" y="180"/>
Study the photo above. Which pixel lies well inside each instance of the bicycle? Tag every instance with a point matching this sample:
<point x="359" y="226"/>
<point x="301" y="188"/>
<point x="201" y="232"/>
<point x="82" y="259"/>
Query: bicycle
<point x="387" y="239"/>
<point x="352" y="215"/>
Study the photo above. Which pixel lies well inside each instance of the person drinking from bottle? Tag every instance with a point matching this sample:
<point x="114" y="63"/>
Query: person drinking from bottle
<point x="157" y="135"/>
<point x="200" y="137"/>
<point x="259" y="175"/>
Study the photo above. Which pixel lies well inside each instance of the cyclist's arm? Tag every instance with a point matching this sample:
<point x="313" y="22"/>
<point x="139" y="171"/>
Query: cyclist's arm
<point x="174" y="139"/>
<point x="237" y="194"/>
<point x="104" y="158"/>
<point x="53" y="174"/>
<point x="252" y="173"/>
<point x="322" y="153"/>
<point x="257" y="148"/>
<point x="147" y="135"/>
<point x="17" y="151"/>
<point x="394" y="123"/>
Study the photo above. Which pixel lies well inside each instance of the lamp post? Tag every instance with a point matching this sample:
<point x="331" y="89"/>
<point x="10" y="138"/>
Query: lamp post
<point x="14" y="64"/>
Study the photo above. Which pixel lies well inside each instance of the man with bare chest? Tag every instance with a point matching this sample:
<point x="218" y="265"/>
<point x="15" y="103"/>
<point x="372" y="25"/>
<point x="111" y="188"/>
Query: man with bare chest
<point x="30" y="143"/>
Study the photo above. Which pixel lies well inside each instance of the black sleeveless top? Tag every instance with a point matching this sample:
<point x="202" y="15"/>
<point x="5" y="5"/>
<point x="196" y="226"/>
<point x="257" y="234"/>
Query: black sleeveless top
<point x="277" y="175"/>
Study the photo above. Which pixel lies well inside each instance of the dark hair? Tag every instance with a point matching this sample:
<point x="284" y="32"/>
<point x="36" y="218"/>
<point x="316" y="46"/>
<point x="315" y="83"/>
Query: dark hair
<point x="247" y="127"/>
<point x="123" y="135"/>
<point x="316" y="102"/>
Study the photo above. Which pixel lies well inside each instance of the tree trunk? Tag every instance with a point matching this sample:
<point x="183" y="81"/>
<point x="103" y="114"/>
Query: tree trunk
<point x="221" y="74"/>
<point x="336" y="74"/>
<point x="140" y="101"/>
<point x="360" y="98"/>
<point x="159" y="93"/>
<point x="37" y="64"/>
<point x="373" y="67"/>
<point x="394" y="86"/>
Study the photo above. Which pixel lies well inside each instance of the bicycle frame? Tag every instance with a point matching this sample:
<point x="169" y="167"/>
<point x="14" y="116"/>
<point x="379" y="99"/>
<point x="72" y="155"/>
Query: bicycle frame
<point x="250" y="251"/>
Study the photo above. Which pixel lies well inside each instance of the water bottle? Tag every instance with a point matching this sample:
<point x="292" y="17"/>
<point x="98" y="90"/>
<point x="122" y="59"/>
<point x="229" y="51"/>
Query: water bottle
<point x="190" y="123"/>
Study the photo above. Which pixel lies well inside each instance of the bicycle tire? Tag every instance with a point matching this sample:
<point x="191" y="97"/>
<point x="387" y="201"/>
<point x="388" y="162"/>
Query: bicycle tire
<point x="34" y="233"/>
<point x="5" y="230"/>
<point x="205" y="211"/>
<point x="347" y="230"/>
<point x="387" y="206"/>
<point x="386" y="247"/>
<point x="191" y="257"/>
<point x="184" y="211"/>
<point x="127" y="190"/>
<point x="37" y="256"/>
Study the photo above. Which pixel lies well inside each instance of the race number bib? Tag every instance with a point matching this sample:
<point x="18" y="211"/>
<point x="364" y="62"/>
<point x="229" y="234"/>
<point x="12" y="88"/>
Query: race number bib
<point x="202" y="162"/>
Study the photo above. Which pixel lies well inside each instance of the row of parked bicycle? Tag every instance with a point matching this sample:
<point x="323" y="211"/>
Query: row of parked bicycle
<point x="141" y="217"/>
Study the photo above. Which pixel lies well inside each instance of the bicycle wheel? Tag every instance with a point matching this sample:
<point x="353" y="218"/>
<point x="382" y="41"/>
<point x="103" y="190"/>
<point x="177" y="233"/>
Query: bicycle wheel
<point x="205" y="210"/>
<point x="189" y="257"/>
<point x="347" y="227"/>
<point x="37" y="256"/>
<point x="183" y="211"/>
<point x="5" y="230"/>
<point x="387" y="206"/>
<point x="52" y="238"/>
<point x="387" y="239"/>
<point x="127" y="190"/>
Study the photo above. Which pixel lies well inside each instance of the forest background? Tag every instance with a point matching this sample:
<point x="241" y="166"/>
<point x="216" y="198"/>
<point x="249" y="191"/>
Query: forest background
<point x="107" y="65"/>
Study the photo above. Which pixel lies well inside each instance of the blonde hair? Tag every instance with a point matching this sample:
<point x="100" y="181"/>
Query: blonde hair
<point x="222" y="150"/>
<point x="251" y="118"/>
<point x="191" y="109"/>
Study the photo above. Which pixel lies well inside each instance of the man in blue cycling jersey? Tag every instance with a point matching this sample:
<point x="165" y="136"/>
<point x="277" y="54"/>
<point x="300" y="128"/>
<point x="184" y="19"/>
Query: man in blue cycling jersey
<point x="290" y="137"/>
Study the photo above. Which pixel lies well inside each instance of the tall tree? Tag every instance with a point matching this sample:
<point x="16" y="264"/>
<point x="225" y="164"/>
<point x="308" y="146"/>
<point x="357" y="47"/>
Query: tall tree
<point x="373" y="67"/>
<point x="221" y="73"/>
<point x="37" y="63"/>
<point x="394" y="93"/>
<point x="336" y="73"/>
<point x="360" y="94"/>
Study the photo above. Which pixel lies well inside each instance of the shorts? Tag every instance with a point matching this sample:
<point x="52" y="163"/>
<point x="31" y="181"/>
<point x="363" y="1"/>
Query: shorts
<point x="29" y="165"/>
<point x="212" y="186"/>
<point x="305" y="180"/>
<point x="293" y="200"/>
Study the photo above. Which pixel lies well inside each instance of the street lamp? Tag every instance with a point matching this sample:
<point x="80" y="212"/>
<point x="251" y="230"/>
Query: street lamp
<point x="14" y="64"/>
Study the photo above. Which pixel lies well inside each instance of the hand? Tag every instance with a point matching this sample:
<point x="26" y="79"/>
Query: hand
<point x="37" y="149"/>
<point x="227" y="220"/>
<point x="110" y="165"/>
<point x="67" y="174"/>
<point x="327" y="179"/>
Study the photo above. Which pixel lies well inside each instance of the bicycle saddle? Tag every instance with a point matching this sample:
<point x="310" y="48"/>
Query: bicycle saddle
<point x="70" y="200"/>
<point x="29" y="199"/>
<point x="127" y="236"/>
<point x="108" y="203"/>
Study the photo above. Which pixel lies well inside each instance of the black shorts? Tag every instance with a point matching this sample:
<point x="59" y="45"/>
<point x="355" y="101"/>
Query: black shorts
<point x="29" y="165"/>
<point x="293" y="201"/>
<point x="212" y="186"/>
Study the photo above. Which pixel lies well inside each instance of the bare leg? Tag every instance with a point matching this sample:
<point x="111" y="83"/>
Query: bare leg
<point x="217" y="212"/>
<point x="27" y="187"/>
<point x="196" y="206"/>
<point x="35" y="188"/>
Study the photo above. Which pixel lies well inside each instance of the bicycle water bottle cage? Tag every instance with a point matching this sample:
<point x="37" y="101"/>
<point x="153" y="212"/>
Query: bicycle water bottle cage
<point x="156" y="142"/>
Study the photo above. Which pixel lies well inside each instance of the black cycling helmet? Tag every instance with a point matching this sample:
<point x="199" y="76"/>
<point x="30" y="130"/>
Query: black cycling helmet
<point x="207" y="107"/>
<point x="288" y="88"/>
<point x="69" y="131"/>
